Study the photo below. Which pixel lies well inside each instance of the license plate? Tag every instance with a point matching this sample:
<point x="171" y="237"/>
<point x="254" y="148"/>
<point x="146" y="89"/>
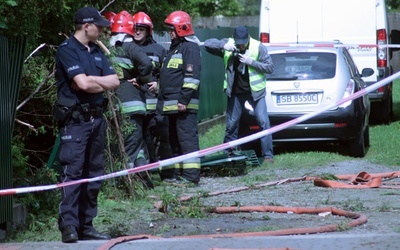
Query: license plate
<point x="290" y="99"/>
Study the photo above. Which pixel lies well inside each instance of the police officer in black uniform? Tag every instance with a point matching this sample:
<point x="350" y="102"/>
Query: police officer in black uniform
<point x="179" y="95"/>
<point x="83" y="74"/>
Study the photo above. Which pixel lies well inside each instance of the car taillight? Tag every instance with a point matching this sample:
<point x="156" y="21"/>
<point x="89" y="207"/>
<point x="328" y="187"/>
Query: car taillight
<point x="254" y="128"/>
<point x="348" y="92"/>
<point x="340" y="125"/>
<point x="264" y="37"/>
<point x="381" y="51"/>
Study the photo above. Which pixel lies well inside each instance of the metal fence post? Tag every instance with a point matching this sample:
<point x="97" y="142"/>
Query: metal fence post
<point x="12" y="52"/>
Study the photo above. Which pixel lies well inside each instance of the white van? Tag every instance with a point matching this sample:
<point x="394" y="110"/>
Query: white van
<point x="353" y="22"/>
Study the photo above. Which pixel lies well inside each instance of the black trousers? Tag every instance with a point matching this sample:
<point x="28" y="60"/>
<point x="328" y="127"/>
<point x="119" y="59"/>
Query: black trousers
<point x="81" y="156"/>
<point x="135" y="146"/>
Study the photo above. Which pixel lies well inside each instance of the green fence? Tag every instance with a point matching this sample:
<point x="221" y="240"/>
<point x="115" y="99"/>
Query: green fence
<point x="11" y="59"/>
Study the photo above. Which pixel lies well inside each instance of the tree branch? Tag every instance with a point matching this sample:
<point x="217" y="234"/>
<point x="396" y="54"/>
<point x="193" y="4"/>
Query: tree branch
<point x="31" y="127"/>
<point x="31" y="54"/>
<point x="51" y="75"/>
<point x="105" y="7"/>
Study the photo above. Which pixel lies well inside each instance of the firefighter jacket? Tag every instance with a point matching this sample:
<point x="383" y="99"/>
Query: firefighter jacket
<point x="261" y="65"/>
<point x="180" y="78"/>
<point x="134" y="64"/>
<point x="156" y="53"/>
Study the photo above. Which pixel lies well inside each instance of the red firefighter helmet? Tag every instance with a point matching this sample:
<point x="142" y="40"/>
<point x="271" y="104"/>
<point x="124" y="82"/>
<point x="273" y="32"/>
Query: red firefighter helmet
<point x="109" y="15"/>
<point x="123" y="23"/>
<point x="182" y="23"/>
<point x="141" y="19"/>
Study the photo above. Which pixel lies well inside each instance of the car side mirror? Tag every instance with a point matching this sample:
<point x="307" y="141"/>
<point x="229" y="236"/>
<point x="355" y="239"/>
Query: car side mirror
<point x="367" y="72"/>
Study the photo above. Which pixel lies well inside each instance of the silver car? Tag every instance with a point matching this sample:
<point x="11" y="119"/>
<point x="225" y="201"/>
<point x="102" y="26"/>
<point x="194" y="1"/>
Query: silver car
<point x="307" y="79"/>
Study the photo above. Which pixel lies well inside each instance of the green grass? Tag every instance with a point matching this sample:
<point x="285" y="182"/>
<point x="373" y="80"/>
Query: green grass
<point x="214" y="136"/>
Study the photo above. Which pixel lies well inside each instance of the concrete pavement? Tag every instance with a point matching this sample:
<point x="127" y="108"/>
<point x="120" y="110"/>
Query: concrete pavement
<point x="332" y="241"/>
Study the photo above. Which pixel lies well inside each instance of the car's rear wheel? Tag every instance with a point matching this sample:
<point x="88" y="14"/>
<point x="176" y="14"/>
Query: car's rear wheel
<point x="366" y="137"/>
<point x="357" y="146"/>
<point x="382" y="112"/>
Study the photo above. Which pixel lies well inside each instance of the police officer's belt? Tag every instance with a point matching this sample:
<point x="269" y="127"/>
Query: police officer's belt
<point x="87" y="111"/>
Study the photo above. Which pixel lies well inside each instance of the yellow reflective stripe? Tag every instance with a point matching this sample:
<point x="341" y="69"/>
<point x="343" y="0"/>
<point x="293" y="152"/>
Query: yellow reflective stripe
<point x="193" y="106"/>
<point x="170" y="108"/>
<point x="257" y="80"/>
<point x="170" y="105"/>
<point x="191" y="83"/>
<point x="132" y="109"/>
<point x="190" y="86"/>
<point x="177" y="165"/>
<point x="191" y="80"/>
<point x="174" y="63"/>
<point x="191" y="165"/>
<point x="151" y="104"/>
<point x="133" y="106"/>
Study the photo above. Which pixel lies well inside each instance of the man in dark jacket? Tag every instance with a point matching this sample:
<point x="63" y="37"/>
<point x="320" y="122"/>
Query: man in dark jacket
<point x="246" y="63"/>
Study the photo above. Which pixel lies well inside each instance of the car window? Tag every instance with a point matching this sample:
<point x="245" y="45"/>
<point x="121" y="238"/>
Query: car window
<point x="303" y="65"/>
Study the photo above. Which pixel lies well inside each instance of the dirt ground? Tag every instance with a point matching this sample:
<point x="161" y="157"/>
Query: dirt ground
<point x="380" y="206"/>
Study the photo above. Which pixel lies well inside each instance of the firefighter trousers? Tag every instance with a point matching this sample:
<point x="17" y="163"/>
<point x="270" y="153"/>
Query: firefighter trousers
<point x="183" y="136"/>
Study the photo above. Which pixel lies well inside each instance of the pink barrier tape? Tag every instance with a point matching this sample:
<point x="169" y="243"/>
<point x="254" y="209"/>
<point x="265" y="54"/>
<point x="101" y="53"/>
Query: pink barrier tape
<point x="206" y="151"/>
<point x="322" y="45"/>
<point x="330" y="45"/>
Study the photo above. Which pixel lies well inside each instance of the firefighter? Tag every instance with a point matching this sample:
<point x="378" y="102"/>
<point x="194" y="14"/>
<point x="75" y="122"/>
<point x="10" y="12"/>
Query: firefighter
<point x="155" y="125"/>
<point x="179" y="95"/>
<point x="136" y="71"/>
